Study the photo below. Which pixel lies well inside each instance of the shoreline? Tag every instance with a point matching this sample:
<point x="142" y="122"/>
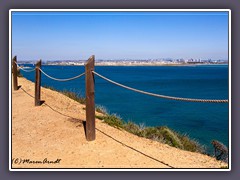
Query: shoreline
<point x="165" y="65"/>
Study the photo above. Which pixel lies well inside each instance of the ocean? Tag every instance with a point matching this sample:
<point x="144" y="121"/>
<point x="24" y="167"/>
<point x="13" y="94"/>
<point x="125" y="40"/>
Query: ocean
<point x="203" y="122"/>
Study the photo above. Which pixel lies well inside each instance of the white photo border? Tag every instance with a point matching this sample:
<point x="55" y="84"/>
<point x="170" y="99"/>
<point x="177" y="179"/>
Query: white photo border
<point x="115" y="10"/>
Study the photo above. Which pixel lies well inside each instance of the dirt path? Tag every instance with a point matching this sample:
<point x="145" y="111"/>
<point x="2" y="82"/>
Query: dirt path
<point x="55" y="131"/>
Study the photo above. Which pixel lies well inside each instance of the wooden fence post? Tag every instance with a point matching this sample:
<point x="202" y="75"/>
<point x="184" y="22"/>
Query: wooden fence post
<point x="90" y="102"/>
<point x="14" y="70"/>
<point x="38" y="83"/>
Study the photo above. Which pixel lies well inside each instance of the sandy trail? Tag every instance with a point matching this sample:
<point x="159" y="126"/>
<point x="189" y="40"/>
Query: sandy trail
<point x="55" y="131"/>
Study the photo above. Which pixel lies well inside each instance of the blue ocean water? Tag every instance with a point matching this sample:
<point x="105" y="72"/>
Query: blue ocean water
<point x="201" y="121"/>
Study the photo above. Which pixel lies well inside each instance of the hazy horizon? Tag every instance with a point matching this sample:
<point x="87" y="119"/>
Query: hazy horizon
<point x="19" y="60"/>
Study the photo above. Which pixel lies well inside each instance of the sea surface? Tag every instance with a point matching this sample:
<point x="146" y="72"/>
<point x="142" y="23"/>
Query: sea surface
<point x="203" y="122"/>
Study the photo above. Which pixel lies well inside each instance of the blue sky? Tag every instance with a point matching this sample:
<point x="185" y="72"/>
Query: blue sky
<point x="119" y="35"/>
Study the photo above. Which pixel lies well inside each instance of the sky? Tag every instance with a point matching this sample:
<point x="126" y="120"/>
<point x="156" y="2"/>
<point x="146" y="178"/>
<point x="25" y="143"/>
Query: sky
<point x="119" y="35"/>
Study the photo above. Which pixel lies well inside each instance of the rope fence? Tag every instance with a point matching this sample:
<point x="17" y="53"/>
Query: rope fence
<point x="162" y="96"/>
<point x="24" y="69"/>
<point x="130" y="88"/>
<point x="56" y="79"/>
<point x="53" y="78"/>
<point x="90" y="90"/>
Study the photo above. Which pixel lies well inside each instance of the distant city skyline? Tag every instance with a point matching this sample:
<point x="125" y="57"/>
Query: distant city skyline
<point x="120" y="35"/>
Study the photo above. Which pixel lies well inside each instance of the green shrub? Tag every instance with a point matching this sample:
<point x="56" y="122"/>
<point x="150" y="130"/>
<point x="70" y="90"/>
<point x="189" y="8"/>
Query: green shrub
<point x="113" y="120"/>
<point x="220" y="151"/>
<point x="101" y="109"/>
<point x="74" y="96"/>
<point x="132" y="128"/>
<point x="99" y="117"/>
<point x="191" y="144"/>
<point x="171" y="138"/>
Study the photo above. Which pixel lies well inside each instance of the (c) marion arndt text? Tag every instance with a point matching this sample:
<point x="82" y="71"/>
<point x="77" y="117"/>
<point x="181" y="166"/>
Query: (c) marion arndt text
<point x="30" y="161"/>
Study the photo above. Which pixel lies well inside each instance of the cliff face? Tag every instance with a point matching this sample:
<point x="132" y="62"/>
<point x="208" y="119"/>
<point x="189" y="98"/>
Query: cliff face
<point x="52" y="136"/>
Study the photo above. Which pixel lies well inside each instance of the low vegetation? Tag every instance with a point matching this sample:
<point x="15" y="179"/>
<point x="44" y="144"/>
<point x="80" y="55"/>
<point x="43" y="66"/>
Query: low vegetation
<point x="101" y="109"/>
<point x="220" y="151"/>
<point x="161" y="134"/>
<point x="74" y="96"/>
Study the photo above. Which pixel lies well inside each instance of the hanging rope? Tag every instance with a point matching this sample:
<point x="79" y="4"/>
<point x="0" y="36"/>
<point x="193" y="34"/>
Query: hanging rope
<point x="24" y="69"/>
<point x="163" y="96"/>
<point x="56" y="79"/>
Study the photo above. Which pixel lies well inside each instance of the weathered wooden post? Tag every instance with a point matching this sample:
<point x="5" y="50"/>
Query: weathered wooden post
<point x="90" y="100"/>
<point x="38" y="83"/>
<point x="14" y="68"/>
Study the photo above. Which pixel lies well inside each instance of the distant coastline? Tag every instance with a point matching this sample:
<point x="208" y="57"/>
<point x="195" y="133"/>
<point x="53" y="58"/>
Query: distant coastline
<point x="192" y="65"/>
<point x="133" y="62"/>
<point x="161" y="65"/>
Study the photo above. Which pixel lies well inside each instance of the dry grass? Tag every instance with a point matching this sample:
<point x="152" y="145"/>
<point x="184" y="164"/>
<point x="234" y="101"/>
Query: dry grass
<point x="161" y="134"/>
